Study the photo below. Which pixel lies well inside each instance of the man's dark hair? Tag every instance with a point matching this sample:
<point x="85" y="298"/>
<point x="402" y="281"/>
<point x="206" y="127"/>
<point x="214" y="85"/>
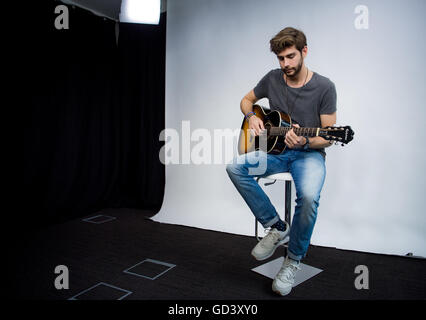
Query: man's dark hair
<point x="288" y="37"/>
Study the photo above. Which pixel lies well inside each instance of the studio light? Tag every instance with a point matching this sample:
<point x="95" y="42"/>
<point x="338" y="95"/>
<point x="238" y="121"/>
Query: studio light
<point x="140" y="11"/>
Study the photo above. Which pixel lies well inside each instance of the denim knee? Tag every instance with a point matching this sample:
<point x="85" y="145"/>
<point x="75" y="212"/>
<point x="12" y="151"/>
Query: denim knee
<point x="308" y="199"/>
<point x="230" y="168"/>
<point x="233" y="168"/>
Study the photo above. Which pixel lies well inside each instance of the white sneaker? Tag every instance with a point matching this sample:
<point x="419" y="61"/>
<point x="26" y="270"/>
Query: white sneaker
<point x="284" y="279"/>
<point x="266" y="247"/>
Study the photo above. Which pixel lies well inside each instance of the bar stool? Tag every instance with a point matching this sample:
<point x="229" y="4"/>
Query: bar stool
<point x="271" y="268"/>
<point x="287" y="178"/>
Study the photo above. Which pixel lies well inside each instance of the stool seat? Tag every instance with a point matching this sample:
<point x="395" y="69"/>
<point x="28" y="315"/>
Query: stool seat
<point x="284" y="176"/>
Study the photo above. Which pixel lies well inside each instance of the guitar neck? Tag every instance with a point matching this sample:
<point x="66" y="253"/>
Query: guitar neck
<point x="282" y="131"/>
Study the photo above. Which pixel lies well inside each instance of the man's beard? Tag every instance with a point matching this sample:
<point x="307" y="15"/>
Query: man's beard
<point x="295" y="72"/>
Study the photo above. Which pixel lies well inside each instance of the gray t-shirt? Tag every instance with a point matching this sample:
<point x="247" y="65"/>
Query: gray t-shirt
<point x="317" y="97"/>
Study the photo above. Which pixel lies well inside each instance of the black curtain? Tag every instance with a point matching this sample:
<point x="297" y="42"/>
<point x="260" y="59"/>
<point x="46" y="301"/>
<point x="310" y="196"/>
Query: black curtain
<point x="93" y="114"/>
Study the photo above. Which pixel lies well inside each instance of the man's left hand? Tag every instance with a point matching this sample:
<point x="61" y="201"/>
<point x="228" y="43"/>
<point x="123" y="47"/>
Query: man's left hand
<point x="292" y="140"/>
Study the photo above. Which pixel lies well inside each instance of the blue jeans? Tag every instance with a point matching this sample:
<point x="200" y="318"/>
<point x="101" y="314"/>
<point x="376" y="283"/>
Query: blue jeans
<point x="308" y="171"/>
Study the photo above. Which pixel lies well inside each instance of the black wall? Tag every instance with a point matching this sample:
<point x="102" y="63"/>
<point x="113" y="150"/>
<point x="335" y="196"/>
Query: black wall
<point x="92" y="117"/>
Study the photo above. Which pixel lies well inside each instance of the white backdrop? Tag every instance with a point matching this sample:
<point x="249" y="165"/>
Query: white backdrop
<point x="373" y="198"/>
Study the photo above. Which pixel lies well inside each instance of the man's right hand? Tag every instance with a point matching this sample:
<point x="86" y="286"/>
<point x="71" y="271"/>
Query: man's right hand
<point x="256" y="125"/>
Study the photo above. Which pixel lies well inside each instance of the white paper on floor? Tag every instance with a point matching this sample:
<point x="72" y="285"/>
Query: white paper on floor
<point x="271" y="268"/>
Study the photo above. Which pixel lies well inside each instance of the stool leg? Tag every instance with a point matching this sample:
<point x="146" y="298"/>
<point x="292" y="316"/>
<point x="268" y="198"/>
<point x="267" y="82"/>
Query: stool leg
<point x="287" y="209"/>
<point x="255" y="229"/>
<point x="255" y="220"/>
<point x="287" y="213"/>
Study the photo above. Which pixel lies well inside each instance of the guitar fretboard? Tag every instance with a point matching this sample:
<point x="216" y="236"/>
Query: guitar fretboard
<point x="282" y="131"/>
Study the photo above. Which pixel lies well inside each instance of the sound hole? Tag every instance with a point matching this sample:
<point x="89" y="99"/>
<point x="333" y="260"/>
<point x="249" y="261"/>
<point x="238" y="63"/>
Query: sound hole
<point x="268" y="125"/>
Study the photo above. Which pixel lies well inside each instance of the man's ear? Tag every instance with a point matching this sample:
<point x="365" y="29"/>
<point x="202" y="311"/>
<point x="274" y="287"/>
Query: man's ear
<point x="304" y="51"/>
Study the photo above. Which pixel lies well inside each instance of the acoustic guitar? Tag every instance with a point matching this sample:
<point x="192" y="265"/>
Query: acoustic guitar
<point x="277" y="124"/>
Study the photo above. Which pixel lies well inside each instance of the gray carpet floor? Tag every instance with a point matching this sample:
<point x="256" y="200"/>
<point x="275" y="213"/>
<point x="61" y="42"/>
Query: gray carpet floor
<point x="201" y="265"/>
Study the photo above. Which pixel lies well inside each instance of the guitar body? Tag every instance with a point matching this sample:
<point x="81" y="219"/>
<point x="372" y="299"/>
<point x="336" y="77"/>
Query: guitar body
<point x="274" y="144"/>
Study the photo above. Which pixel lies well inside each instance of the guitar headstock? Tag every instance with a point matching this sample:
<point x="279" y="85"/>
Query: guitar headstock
<point x="342" y="135"/>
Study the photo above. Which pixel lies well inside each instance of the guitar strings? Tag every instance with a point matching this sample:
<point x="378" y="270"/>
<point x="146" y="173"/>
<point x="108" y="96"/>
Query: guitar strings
<point x="303" y="130"/>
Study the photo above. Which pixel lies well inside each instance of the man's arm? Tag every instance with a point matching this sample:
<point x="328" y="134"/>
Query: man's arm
<point x="294" y="141"/>
<point x="320" y="142"/>
<point x="246" y="106"/>
<point x="247" y="102"/>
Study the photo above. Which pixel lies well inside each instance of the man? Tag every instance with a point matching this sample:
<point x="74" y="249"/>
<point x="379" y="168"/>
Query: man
<point x="310" y="100"/>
